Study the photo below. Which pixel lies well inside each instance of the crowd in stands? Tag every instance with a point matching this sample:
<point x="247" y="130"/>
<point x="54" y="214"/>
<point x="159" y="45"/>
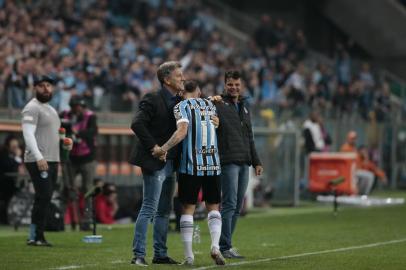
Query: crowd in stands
<point x="108" y="51"/>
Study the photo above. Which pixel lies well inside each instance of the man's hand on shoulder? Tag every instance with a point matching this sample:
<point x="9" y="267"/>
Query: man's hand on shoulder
<point x="215" y="120"/>
<point x="216" y="99"/>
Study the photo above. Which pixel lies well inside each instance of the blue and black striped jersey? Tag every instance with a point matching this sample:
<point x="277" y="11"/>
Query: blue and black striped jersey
<point x="199" y="155"/>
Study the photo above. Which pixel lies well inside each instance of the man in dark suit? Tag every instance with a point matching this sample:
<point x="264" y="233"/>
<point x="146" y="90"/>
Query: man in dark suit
<point x="153" y="125"/>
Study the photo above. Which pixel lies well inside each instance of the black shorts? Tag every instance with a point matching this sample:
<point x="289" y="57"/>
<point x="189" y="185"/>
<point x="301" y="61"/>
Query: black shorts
<point x="189" y="187"/>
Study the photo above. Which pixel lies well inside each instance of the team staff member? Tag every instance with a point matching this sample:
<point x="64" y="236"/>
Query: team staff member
<point x="40" y="124"/>
<point x="199" y="167"/>
<point x="153" y="125"/>
<point x="237" y="153"/>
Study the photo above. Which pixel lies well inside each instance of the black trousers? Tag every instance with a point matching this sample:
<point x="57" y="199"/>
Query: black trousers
<point x="44" y="185"/>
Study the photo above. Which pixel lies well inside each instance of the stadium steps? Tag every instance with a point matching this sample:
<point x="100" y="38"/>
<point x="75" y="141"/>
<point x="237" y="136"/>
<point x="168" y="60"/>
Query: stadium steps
<point x="377" y="25"/>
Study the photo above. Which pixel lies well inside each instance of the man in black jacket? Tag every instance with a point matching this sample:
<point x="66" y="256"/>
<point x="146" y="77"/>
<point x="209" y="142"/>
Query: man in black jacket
<point x="237" y="153"/>
<point x="153" y="125"/>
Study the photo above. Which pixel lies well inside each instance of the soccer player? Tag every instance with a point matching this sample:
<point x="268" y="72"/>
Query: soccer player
<point x="40" y="124"/>
<point x="199" y="167"/>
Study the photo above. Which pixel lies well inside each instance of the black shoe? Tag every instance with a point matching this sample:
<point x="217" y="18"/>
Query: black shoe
<point x="43" y="243"/>
<point x="30" y="242"/>
<point x="164" y="260"/>
<point x="39" y="243"/>
<point x="140" y="261"/>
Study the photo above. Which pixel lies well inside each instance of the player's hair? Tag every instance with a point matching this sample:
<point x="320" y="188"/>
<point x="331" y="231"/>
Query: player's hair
<point x="190" y="86"/>
<point x="165" y="69"/>
<point x="232" y="74"/>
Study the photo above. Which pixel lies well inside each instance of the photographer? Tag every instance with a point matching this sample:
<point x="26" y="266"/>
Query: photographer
<point x="106" y="204"/>
<point x="81" y="125"/>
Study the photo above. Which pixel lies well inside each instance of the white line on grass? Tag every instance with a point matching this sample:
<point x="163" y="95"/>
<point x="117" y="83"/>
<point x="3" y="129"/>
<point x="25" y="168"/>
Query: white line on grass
<point x="308" y="254"/>
<point x="68" y="267"/>
<point x="118" y="262"/>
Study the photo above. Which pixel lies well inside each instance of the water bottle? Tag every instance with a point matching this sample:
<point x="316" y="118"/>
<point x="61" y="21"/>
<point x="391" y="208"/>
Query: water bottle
<point x="196" y="234"/>
<point x="92" y="239"/>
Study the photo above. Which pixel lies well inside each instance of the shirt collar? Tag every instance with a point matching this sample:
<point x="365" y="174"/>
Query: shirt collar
<point x="169" y="97"/>
<point x="168" y="94"/>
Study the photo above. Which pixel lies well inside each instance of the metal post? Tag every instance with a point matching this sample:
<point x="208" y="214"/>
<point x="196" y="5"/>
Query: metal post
<point x="335" y="202"/>
<point x="296" y="197"/>
<point x="94" y="213"/>
<point x="393" y="155"/>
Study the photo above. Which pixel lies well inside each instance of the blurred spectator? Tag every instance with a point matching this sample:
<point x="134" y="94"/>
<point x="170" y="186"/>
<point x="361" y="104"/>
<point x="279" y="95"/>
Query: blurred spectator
<point x="107" y="53"/>
<point x="382" y="103"/>
<point x="10" y="160"/>
<point x="339" y="100"/>
<point x="299" y="45"/>
<point x="343" y="65"/>
<point x="365" y="163"/>
<point x="296" y="85"/>
<point x="365" y="178"/>
<point x="281" y="30"/>
<point x="16" y="86"/>
<point x="264" y="35"/>
<point x="366" y="76"/>
<point x="313" y="134"/>
<point x="269" y="90"/>
<point x="326" y="136"/>
<point x="350" y="144"/>
<point x="106" y="204"/>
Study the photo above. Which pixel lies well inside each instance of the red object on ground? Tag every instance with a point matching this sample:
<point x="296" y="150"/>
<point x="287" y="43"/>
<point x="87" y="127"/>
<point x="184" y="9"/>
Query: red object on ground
<point x="324" y="167"/>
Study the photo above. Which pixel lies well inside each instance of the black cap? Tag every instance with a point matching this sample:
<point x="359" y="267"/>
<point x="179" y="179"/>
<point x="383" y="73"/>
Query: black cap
<point x="77" y="101"/>
<point x="43" y="78"/>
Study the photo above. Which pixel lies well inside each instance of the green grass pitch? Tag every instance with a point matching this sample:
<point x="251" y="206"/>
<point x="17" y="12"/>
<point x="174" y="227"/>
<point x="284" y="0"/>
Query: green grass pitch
<point x="305" y="237"/>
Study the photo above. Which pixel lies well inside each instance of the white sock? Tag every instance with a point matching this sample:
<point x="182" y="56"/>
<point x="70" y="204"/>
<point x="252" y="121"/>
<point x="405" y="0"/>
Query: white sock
<point x="214" y="222"/>
<point x="186" y="231"/>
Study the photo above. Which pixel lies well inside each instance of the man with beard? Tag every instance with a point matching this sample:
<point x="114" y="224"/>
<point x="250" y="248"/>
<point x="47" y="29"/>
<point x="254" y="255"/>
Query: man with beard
<point x="40" y="124"/>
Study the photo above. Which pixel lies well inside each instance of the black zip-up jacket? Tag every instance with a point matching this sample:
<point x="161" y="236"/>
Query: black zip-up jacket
<point x="234" y="135"/>
<point x="154" y="123"/>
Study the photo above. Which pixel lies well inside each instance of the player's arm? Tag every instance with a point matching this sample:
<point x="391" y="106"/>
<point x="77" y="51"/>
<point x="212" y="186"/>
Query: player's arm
<point x="182" y="123"/>
<point x="29" y="126"/>
<point x="177" y="137"/>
